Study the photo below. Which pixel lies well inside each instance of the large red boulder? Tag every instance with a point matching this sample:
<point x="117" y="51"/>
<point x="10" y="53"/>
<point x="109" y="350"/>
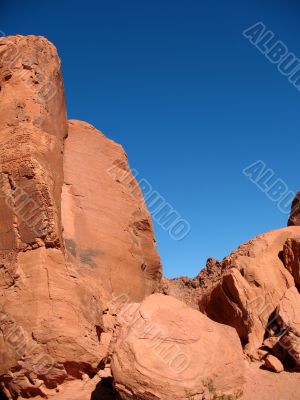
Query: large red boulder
<point x="166" y="350"/>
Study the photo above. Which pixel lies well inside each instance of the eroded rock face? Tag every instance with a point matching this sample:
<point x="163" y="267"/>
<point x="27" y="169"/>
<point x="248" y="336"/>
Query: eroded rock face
<point x="55" y="323"/>
<point x="107" y="228"/>
<point x="254" y="282"/>
<point x="294" y="218"/>
<point x="189" y="290"/>
<point x="166" y="350"/>
<point x="33" y="127"/>
<point x="291" y="258"/>
<point x="287" y="316"/>
<point x="50" y="315"/>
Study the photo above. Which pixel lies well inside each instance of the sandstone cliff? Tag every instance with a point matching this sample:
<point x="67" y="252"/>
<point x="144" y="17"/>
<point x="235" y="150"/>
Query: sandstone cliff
<point x="59" y="270"/>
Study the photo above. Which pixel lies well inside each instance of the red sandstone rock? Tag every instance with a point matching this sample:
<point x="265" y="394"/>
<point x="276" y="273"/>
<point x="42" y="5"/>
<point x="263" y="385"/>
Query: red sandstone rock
<point x="189" y="290"/>
<point x="254" y="282"/>
<point x="291" y="258"/>
<point x="107" y="228"/>
<point x="273" y="364"/>
<point x="33" y="127"/>
<point x="52" y="303"/>
<point x="294" y="218"/>
<point x="50" y="315"/>
<point x="166" y="350"/>
<point x="77" y="255"/>
<point x="288" y="319"/>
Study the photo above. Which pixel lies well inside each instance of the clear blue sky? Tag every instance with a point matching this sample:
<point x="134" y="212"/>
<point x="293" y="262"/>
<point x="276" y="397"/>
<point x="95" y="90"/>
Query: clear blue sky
<point x="189" y="98"/>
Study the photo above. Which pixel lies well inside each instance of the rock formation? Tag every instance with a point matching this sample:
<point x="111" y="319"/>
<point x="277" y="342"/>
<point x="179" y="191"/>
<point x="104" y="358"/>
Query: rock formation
<point x="246" y="291"/>
<point x="166" y="350"/>
<point x="252" y="286"/>
<point x="106" y="224"/>
<point x="80" y="316"/>
<point x="287" y="337"/>
<point x="190" y="290"/>
<point x="57" y="282"/>
<point x="294" y="218"/>
<point x="291" y="258"/>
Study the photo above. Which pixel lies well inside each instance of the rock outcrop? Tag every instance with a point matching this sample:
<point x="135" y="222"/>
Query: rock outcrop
<point x="244" y="290"/>
<point x="253" y="286"/>
<point x="287" y="334"/>
<point x="189" y="290"/>
<point x="291" y="258"/>
<point x="107" y="228"/>
<point x="33" y="128"/>
<point x="59" y="271"/>
<point x="294" y="218"/>
<point x="247" y="291"/>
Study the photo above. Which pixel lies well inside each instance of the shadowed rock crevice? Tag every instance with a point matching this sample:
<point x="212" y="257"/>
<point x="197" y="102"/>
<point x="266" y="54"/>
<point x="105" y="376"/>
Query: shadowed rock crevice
<point x="105" y="391"/>
<point x="2" y="396"/>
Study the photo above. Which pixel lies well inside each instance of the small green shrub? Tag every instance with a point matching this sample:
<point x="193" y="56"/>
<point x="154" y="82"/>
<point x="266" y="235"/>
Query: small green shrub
<point x="209" y="384"/>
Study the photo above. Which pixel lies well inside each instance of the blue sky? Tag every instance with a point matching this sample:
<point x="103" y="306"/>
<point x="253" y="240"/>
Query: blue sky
<point x="190" y="99"/>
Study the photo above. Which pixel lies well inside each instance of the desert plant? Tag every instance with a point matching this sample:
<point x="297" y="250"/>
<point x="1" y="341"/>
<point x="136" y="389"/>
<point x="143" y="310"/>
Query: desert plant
<point x="210" y="386"/>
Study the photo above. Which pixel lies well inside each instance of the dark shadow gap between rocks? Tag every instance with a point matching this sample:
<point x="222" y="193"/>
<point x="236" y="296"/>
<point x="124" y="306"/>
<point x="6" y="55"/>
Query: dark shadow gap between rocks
<point x="2" y="396"/>
<point x="104" y="390"/>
